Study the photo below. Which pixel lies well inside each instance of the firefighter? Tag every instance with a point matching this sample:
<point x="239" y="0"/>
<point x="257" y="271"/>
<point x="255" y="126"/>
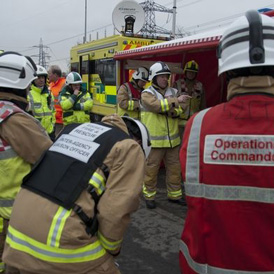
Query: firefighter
<point x="227" y="160"/>
<point x="189" y="85"/>
<point x="22" y="138"/>
<point x="56" y="84"/>
<point x="160" y="113"/>
<point x="129" y="94"/>
<point x="75" y="100"/>
<point x="41" y="102"/>
<point x="80" y="208"/>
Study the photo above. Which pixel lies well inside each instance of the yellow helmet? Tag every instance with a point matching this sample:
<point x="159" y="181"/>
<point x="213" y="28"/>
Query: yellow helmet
<point x="191" y="66"/>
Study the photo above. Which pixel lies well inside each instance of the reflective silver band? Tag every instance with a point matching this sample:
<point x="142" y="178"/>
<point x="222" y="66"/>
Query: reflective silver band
<point x="193" y="149"/>
<point x="6" y="203"/>
<point x="7" y="154"/>
<point x="58" y="222"/>
<point x="158" y="138"/>
<point x="208" y="269"/>
<point x="53" y="254"/>
<point x="230" y="193"/>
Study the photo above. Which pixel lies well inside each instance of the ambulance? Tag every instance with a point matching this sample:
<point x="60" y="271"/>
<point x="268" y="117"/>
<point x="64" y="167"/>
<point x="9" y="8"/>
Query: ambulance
<point x="95" y="63"/>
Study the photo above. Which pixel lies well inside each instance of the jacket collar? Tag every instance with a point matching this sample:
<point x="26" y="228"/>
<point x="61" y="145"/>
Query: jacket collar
<point x="21" y="102"/>
<point x="251" y="84"/>
<point x="115" y="120"/>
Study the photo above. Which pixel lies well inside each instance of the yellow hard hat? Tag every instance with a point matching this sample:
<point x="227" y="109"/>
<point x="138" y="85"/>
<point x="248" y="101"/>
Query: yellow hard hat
<point x="191" y="66"/>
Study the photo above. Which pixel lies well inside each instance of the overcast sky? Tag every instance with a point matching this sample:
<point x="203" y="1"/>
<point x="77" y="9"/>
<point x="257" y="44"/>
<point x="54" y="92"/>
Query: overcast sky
<point x="61" y="23"/>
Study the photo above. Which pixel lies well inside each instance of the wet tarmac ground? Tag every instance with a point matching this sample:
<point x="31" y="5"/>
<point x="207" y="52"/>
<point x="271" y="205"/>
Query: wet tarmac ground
<point x="151" y="244"/>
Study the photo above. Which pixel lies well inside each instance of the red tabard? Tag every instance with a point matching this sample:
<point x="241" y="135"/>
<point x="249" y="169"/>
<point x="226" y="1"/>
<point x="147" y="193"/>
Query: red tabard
<point x="135" y="93"/>
<point x="230" y="220"/>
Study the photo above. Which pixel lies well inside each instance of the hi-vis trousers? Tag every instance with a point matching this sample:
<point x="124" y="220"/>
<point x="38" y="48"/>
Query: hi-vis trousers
<point x="170" y="157"/>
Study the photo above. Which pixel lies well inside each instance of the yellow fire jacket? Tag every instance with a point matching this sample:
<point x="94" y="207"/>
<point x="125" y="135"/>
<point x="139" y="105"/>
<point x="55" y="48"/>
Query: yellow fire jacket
<point x="160" y="113"/>
<point x="128" y="100"/>
<point x="41" y="103"/>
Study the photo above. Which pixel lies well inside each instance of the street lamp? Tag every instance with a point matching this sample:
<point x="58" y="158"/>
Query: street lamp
<point x="174" y="20"/>
<point x="85" y="37"/>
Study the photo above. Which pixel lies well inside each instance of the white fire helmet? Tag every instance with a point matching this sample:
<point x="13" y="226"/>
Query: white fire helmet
<point x="41" y="71"/>
<point x="16" y="71"/>
<point x="73" y="78"/>
<point x="247" y="42"/>
<point x="138" y="128"/>
<point x="141" y="74"/>
<point x="157" y="69"/>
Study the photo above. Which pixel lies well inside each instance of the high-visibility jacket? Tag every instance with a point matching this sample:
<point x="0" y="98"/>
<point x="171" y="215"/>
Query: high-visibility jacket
<point x="55" y="88"/>
<point x="227" y="161"/>
<point x="54" y="237"/>
<point x="76" y="108"/>
<point x="197" y="101"/>
<point x="163" y="128"/>
<point x="41" y="105"/>
<point x="128" y="100"/>
<point x="13" y="167"/>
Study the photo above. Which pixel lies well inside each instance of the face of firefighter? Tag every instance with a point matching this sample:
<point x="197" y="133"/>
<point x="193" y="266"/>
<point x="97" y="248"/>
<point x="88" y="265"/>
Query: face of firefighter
<point x="191" y="75"/>
<point x="162" y="80"/>
<point x="141" y="84"/>
<point x="139" y="141"/>
<point x="40" y="81"/>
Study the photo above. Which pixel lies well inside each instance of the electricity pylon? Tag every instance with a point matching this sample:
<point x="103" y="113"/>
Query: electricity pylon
<point x="43" y="54"/>
<point x="150" y="27"/>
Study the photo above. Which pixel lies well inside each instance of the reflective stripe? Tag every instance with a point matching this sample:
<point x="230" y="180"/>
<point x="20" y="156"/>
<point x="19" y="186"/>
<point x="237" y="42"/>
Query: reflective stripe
<point x="193" y="149"/>
<point x="57" y="226"/>
<point x="164" y="105"/>
<point x="7" y="154"/>
<point x="148" y="194"/>
<point x="98" y="182"/>
<point x="6" y="203"/>
<point x="230" y="193"/>
<point x="1" y="224"/>
<point x="42" y="114"/>
<point x="208" y="269"/>
<point x="107" y="244"/>
<point x="166" y="138"/>
<point x="179" y="110"/>
<point x="175" y="194"/>
<point x="7" y="109"/>
<point x="23" y="243"/>
<point x="71" y="100"/>
<point x="130" y="105"/>
<point x="2" y="267"/>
